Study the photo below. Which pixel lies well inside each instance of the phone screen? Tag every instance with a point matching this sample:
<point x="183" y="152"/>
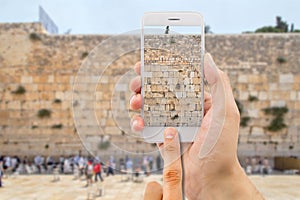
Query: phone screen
<point x="172" y="76"/>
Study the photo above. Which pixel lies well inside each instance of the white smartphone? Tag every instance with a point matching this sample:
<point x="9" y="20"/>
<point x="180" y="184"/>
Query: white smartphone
<point x="172" y="59"/>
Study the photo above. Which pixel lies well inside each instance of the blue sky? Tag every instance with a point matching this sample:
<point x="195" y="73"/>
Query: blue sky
<point x="118" y="16"/>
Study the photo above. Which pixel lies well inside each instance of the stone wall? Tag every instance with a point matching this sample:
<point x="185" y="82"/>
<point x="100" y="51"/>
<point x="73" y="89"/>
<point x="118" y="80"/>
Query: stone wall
<point x="264" y="70"/>
<point x="172" y="81"/>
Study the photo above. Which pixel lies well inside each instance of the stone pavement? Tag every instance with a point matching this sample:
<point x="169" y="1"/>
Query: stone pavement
<point x="42" y="187"/>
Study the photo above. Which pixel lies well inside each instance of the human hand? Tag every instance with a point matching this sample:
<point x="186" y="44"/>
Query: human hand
<point x="172" y="175"/>
<point x="211" y="167"/>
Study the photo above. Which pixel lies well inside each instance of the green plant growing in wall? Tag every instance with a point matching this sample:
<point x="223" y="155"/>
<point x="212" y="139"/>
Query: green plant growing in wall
<point x="84" y="55"/>
<point x="175" y="117"/>
<point x="44" y="113"/>
<point x="34" y="126"/>
<point x="138" y="141"/>
<point x="277" y="122"/>
<point x="34" y="37"/>
<point x="244" y="121"/>
<point x="46" y="146"/>
<point x="20" y="90"/>
<point x="252" y="98"/>
<point x="57" y="126"/>
<point x="153" y="144"/>
<point x="57" y="101"/>
<point x="240" y="106"/>
<point x="281" y="60"/>
<point x="104" y="145"/>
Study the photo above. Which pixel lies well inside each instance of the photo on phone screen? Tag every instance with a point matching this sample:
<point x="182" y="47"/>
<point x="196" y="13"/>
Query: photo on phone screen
<point x="172" y="77"/>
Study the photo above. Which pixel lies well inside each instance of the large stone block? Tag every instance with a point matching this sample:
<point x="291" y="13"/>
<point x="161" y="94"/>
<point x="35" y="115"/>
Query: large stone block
<point x="46" y="96"/>
<point x="31" y="87"/>
<point x="286" y="86"/>
<point x="243" y="95"/>
<point x="26" y="79"/>
<point x="14" y="115"/>
<point x="257" y="131"/>
<point x="263" y="95"/>
<point x="293" y="95"/>
<point x="297" y="78"/>
<point x="32" y="96"/>
<point x="244" y="131"/>
<point x="4" y="115"/>
<point x="286" y="78"/>
<point x="254" y="113"/>
<point x="278" y="103"/>
<point x="243" y="139"/>
<point x="112" y="130"/>
<point x="293" y="134"/>
<point x="253" y="78"/>
<point x="61" y="79"/>
<point x="14" y="105"/>
<point x="40" y="79"/>
<point x="246" y="149"/>
<point x="278" y="138"/>
<point x="242" y="78"/>
<point x="280" y="95"/>
<point x="273" y="86"/>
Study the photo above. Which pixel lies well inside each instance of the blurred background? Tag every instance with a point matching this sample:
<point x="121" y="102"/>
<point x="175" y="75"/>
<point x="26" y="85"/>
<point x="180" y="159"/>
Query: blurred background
<point x="46" y="64"/>
<point x="98" y="17"/>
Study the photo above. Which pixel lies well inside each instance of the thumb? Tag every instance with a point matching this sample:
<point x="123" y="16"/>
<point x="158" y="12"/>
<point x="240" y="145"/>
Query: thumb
<point x="153" y="191"/>
<point x="215" y="122"/>
<point x="172" y="175"/>
<point x="223" y="107"/>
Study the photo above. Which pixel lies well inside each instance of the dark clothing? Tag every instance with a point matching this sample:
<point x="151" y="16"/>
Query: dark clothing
<point x="1" y="178"/>
<point x="98" y="174"/>
<point x="110" y="170"/>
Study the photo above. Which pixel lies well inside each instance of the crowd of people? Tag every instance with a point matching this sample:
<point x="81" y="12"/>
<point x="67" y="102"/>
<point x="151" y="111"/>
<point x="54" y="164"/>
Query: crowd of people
<point x="90" y="167"/>
<point x="257" y="165"/>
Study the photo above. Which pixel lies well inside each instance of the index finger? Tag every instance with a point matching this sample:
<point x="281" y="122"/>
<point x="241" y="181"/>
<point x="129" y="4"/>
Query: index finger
<point x="137" y="68"/>
<point x="172" y="174"/>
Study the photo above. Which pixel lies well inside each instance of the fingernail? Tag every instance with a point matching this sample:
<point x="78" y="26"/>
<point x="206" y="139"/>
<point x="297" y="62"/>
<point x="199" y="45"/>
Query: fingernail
<point x="208" y="58"/>
<point x="170" y="133"/>
<point x="210" y="69"/>
<point x="134" y="123"/>
<point x="131" y="99"/>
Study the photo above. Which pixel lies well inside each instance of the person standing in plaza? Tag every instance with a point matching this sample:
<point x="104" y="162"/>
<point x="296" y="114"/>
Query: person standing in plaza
<point x="1" y="171"/>
<point x="158" y="163"/>
<point x="111" y="166"/>
<point x="38" y="163"/>
<point x="7" y="163"/>
<point x="129" y="165"/>
<point x="61" y="163"/>
<point x="89" y="173"/>
<point x="97" y="171"/>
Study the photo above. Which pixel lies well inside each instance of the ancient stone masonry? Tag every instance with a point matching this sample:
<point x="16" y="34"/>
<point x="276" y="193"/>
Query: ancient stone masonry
<point x="37" y="73"/>
<point x="172" y="80"/>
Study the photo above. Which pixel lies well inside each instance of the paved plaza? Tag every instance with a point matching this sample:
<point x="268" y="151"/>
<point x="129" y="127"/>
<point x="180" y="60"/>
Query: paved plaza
<point x="31" y="187"/>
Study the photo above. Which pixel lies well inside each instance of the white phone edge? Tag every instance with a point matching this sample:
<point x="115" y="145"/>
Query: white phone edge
<point x="187" y="134"/>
